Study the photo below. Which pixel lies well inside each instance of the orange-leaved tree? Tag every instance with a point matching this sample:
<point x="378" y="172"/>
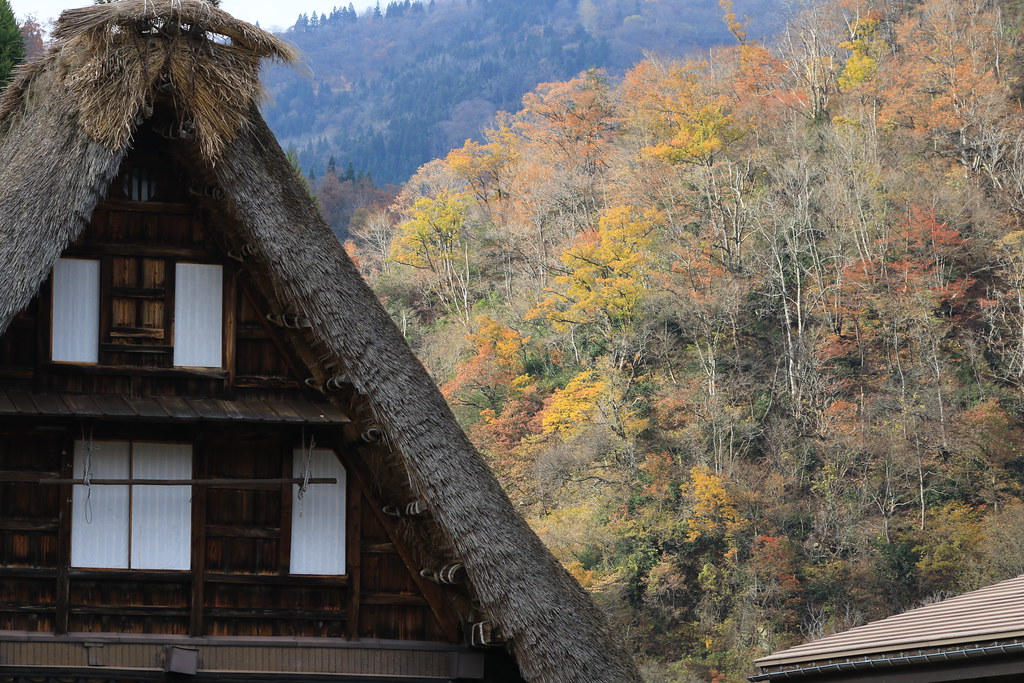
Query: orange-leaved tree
<point x="495" y="366"/>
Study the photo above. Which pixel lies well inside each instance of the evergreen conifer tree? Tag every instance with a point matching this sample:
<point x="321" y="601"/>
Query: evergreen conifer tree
<point x="12" y="49"/>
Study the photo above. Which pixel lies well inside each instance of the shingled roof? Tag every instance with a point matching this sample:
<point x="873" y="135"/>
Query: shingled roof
<point x="983" y="624"/>
<point x="67" y="123"/>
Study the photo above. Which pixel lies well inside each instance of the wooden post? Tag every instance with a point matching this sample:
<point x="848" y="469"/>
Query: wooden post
<point x="285" y="550"/>
<point x="230" y="326"/>
<point x="44" y="313"/>
<point x="353" y="555"/>
<point x="63" y="591"/>
<point x="199" y="468"/>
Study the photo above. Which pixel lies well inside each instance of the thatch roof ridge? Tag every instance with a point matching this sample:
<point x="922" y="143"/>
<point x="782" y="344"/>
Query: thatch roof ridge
<point x="56" y="166"/>
<point x="115" y="59"/>
<point x="206" y="18"/>
<point x="554" y="628"/>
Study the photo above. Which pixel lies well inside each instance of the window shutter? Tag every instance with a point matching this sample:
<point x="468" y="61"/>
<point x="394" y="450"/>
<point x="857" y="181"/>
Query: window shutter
<point x="76" y="311"/>
<point x="318" y="518"/>
<point x="99" y="529"/>
<point x="161" y="515"/>
<point x="198" y="315"/>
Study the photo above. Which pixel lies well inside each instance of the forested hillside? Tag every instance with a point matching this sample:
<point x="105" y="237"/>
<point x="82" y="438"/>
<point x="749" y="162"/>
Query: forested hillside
<point x="744" y="335"/>
<point x="390" y="89"/>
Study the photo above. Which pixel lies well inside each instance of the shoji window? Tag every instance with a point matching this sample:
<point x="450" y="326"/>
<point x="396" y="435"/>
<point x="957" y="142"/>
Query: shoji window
<point x="161" y="529"/>
<point x="318" y="515"/>
<point x="198" y="314"/>
<point x="76" y="311"/>
<point x="100" y="514"/>
<point x="132" y="526"/>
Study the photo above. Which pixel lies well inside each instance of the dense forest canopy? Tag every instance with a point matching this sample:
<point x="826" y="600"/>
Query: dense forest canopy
<point x="391" y="88"/>
<point x="743" y="334"/>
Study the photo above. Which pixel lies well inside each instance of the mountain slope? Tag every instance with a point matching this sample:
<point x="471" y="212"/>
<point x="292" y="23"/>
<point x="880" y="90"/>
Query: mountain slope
<point x="387" y="93"/>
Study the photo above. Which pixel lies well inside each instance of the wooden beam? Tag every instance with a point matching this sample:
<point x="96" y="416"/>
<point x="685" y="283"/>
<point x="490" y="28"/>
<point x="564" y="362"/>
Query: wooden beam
<point x="284" y="614"/>
<point x="230" y="308"/>
<point x="131" y="575"/>
<point x="28" y="525"/>
<point x="129" y="206"/>
<point x="148" y="251"/>
<point x="130" y="610"/>
<point x="394" y="599"/>
<point x="275" y="580"/>
<point x="7" y="476"/>
<point x="170" y="373"/>
<point x="29" y="607"/>
<point x="284" y="557"/>
<point x="238" y="483"/>
<point x="27" y="573"/>
<point x="44" y="313"/>
<point x="380" y="548"/>
<point x="225" y="531"/>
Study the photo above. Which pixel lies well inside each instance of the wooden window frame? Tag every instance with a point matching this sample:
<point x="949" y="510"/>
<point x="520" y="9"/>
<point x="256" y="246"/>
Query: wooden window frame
<point x="107" y="348"/>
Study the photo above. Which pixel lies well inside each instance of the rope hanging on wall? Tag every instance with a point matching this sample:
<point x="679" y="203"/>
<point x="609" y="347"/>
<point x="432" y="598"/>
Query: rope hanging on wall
<point x="306" y="467"/>
<point x="87" y="473"/>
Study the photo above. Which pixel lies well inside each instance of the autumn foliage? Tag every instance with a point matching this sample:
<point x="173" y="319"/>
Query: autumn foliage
<point x="744" y="334"/>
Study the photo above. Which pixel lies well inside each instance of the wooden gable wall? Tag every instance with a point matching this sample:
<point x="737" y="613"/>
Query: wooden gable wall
<point x="239" y="583"/>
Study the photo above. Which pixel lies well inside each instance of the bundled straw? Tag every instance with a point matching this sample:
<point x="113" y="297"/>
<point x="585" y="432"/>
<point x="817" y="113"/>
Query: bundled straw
<point x="117" y="58"/>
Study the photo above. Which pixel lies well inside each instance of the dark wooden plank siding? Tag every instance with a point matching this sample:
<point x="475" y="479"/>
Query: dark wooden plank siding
<point x="29" y="516"/>
<point x="29" y="531"/>
<point x="243" y="420"/>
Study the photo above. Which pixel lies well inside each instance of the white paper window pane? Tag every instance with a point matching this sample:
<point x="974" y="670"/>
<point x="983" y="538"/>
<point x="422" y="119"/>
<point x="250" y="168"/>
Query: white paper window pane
<point x="161" y="515"/>
<point x="99" y="528"/>
<point x="318" y="518"/>
<point x="198" y="312"/>
<point x="76" y="311"/>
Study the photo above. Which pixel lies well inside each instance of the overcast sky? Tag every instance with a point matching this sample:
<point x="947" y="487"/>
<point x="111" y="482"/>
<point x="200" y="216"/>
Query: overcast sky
<point x="269" y="13"/>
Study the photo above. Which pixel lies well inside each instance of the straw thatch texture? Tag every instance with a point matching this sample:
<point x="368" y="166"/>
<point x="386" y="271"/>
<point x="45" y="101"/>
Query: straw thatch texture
<point x="52" y="177"/>
<point x="63" y="144"/>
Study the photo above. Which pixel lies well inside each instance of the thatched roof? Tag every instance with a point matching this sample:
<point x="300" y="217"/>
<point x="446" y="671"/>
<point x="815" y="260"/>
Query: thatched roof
<point x="67" y="124"/>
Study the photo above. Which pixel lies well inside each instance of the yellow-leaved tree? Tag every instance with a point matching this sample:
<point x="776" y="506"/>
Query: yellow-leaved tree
<point x="687" y="122"/>
<point x="605" y="276"/>
<point x="714" y="516"/>
<point x="864" y="46"/>
<point x="434" y="239"/>
<point x="571" y="409"/>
